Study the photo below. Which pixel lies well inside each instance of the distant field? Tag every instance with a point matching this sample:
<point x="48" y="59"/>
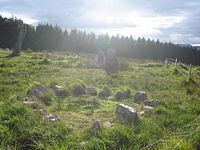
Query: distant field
<point x="23" y="128"/>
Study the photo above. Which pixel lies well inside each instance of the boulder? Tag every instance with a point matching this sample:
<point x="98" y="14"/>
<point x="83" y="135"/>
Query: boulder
<point x="37" y="91"/>
<point x="126" y="114"/>
<point x="140" y="96"/>
<point x="96" y="125"/>
<point x="104" y="93"/>
<point x="91" y="91"/>
<point x="120" y="95"/>
<point x="152" y="103"/>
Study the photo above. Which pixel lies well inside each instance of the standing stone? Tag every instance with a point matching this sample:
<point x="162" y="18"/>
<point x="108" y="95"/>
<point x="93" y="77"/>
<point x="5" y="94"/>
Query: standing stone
<point x="126" y="114"/>
<point x="20" y="38"/>
<point x="96" y="125"/>
<point x="140" y="96"/>
<point x="111" y="63"/>
<point x="100" y="59"/>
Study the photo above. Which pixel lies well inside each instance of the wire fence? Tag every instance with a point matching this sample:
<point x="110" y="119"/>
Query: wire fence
<point x="186" y="70"/>
<point x="190" y="130"/>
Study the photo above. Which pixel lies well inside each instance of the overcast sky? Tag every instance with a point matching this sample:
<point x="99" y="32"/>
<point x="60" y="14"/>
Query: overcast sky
<point x="176" y="21"/>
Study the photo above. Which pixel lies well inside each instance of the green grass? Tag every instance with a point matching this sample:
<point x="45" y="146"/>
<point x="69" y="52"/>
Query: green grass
<point x="23" y="128"/>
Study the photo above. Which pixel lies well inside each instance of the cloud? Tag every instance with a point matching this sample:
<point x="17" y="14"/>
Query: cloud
<point x="171" y="20"/>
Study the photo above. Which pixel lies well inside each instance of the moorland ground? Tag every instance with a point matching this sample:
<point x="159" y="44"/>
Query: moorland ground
<point x="22" y="127"/>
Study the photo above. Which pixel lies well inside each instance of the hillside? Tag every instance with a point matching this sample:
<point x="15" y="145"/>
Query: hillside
<point x="66" y="79"/>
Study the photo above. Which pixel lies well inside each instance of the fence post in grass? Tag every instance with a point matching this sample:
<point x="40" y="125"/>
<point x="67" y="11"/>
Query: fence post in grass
<point x="190" y="72"/>
<point x="175" y="64"/>
<point x="166" y="61"/>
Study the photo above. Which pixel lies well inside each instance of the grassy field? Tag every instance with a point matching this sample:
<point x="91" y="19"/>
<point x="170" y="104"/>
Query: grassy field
<point x="22" y="127"/>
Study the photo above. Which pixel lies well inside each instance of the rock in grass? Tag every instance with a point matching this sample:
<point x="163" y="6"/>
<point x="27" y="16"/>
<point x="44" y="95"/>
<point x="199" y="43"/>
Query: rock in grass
<point x="79" y="90"/>
<point x="57" y="87"/>
<point x="128" y="93"/>
<point x="147" y="108"/>
<point x="120" y="95"/>
<point x="29" y="101"/>
<point x="108" y="124"/>
<point x="37" y="91"/>
<point x="141" y="113"/>
<point x="152" y="103"/>
<point x="91" y="91"/>
<point x="126" y="114"/>
<point x="62" y="92"/>
<point x="51" y="118"/>
<point x="96" y="125"/>
<point x="42" y="112"/>
<point x="140" y="96"/>
<point x="104" y="93"/>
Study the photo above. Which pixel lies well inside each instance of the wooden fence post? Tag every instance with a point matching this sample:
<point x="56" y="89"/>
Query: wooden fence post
<point x="190" y="72"/>
<point x="166" y="61"/>
<point x="175" y="64"/>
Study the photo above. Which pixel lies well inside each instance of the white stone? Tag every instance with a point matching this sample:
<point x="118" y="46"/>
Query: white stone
<point x="126" y="113"/>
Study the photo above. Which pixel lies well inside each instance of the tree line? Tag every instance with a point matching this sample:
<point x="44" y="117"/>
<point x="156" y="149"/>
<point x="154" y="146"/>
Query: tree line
<point x="53" y="38"/>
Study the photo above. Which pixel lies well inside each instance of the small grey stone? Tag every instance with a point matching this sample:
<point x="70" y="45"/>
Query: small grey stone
<point x="96" y="125"/>
<point x="51" y="118"/>
<point x="146" y="108"/>
<point x="82" y="143"/>
<point x="108" y="124"/>
<point x="27" y="99"/>
<point x="57" y="87"/>
<point x="152" y="103"/>
<point x="37" y="91"/>
<point x="91" y="91"/>
<point x="141" y="113"/>
<point x="42" y="111"/>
